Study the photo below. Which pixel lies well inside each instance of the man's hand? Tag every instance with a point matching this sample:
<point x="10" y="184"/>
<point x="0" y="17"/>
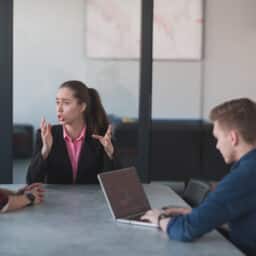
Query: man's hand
<point x="152" y="216"/>
<point x="174" y="211"/>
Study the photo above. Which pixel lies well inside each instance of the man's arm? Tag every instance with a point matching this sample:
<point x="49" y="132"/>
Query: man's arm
<point x="228" y="202"/>
<point x="223" y="205"/>
<point x="200" y="221"/>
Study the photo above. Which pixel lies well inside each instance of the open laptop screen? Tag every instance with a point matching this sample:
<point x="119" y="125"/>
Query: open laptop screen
<point x="124" y="192"/>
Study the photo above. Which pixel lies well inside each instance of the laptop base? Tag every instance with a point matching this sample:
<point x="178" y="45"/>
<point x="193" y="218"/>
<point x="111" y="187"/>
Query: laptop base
<point x="135" y="222"/>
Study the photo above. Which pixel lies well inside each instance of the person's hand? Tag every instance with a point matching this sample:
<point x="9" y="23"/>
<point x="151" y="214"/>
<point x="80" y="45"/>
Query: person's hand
<point x="38" y="193"/>
<point x="174" y="211"/>
<point x="152" y="216"/>
<point x="28" y="188"/>
<point x="46" y="136"/>
<point x="106" y="141"/>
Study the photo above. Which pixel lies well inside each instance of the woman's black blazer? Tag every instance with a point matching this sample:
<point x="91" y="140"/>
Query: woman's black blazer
<point x="57" y="169"/>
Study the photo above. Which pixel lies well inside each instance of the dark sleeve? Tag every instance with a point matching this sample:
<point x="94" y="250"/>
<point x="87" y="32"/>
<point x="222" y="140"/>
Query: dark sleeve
<point x="37" y="169"/>
<point x="227" y="203"/>
<point x="114" y="163"/>
<point x="3" y="200"/>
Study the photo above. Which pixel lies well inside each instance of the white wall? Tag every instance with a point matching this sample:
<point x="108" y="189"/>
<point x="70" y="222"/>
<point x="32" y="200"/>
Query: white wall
<point x="49" y="48"/>
<point x="230" y="54"/>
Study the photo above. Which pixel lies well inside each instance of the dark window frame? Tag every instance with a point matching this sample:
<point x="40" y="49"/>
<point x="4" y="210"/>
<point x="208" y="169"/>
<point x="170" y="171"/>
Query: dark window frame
<point x="6" y="80"/>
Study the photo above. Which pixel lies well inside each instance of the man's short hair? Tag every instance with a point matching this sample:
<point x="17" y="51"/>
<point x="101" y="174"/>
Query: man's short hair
<point x="237" y="114"/>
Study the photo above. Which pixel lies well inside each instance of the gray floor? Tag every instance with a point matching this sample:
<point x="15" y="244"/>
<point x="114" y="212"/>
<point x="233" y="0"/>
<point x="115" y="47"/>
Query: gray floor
<point x="20" y="169"/>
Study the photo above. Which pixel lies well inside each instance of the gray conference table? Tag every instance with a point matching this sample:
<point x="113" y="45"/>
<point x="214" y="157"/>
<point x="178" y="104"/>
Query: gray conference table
<point x="75" y="220"/>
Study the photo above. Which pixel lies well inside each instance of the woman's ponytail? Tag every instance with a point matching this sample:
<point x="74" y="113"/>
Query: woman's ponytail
<point x="96" y="117"/>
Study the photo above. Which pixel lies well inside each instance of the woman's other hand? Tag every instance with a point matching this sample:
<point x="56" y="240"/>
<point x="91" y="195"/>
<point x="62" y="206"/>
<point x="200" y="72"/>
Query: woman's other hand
<point x="46" y="136"/>
<point x="106" y="141"/>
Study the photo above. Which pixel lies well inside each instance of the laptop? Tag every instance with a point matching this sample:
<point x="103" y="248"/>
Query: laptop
<point x="125" y="196"/>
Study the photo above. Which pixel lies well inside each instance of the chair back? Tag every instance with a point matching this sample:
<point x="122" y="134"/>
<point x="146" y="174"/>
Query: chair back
<point x="196" y="191"/>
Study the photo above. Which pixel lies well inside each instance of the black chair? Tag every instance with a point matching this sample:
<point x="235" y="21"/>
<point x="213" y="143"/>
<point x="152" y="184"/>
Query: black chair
<point x="196" y="191"/>
<point x="22" y="140"/>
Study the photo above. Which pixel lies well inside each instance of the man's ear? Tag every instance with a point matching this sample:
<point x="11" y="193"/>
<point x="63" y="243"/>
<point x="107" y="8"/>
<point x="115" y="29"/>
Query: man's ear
<point x="234" y="137"/>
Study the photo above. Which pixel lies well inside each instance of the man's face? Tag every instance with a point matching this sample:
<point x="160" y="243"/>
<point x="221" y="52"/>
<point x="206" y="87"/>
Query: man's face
<point x="224" y="142"/>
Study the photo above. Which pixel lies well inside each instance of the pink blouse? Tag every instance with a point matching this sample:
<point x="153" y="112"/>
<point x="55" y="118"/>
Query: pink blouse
<point x="74" y="149"/>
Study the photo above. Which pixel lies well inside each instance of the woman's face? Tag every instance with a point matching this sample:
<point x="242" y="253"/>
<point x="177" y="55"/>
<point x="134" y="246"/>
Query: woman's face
<point x="68" y="109"/>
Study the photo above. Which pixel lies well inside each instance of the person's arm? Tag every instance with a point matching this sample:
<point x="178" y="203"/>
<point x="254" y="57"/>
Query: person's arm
<point x="3" y="201"/>
<point x="7" y="192"/>
<point x="27" y="188"/>
<point x="188" y="225"/>
<point x="200" y="221"/>
<point x="37" y="169"/>
<point x="229" y="201"/>
<point x="15" y="202"/>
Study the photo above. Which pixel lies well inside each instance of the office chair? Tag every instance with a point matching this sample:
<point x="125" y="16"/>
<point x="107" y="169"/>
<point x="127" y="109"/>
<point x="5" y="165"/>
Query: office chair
<point x="196" y="191"/>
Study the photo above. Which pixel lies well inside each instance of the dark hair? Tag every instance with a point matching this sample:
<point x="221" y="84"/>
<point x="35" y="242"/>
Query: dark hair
<point x="239" y="114"/>
<point x="94" y="114"/>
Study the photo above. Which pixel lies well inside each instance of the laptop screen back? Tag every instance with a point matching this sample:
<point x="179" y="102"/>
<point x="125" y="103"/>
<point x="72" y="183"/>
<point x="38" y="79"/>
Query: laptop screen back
<point x="124" y="192"/>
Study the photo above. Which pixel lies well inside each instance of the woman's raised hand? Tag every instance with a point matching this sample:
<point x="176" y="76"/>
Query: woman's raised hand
<point x="46" y="136"/>
<point x="106" y="141"/>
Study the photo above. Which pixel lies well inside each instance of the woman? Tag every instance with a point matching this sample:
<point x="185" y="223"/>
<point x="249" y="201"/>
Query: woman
<point x="75" y="151"/>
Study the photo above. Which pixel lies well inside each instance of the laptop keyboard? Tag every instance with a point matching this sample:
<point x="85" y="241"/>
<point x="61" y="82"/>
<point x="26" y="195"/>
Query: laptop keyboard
<point x="137" y="217"/>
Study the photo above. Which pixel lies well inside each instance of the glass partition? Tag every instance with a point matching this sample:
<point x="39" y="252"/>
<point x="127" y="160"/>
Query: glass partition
<point x="91" y="41"/>
<point x="176" y="100"/>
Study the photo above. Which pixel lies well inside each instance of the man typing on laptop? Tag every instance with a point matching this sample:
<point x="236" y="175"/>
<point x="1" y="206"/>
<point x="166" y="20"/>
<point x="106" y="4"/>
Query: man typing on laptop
<point x="234" y="199"/>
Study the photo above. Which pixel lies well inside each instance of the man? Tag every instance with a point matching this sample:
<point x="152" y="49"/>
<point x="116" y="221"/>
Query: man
<point x="234" y="199"/>
<point x="29" y="195"/>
